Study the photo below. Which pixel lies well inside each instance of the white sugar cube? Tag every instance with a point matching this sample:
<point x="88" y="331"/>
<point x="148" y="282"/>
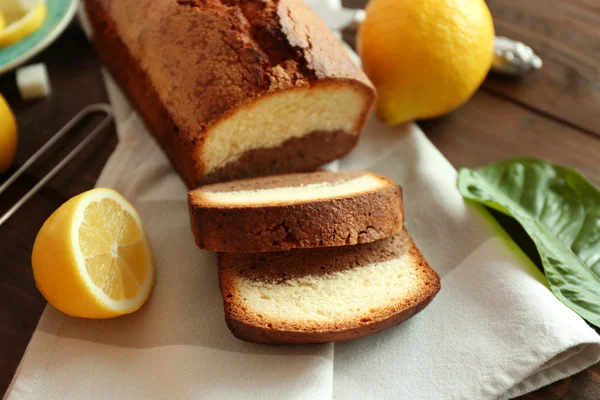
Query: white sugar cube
<point x="33" y="82"/>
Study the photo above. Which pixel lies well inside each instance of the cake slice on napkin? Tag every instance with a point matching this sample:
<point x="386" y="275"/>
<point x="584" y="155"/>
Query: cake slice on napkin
<point x="282" y="212"/>
<point x="325" y="295"/>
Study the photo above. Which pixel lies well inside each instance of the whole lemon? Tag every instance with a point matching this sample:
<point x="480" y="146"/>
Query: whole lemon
<point x="426" y="57"/>
<point x="8" y="135"/>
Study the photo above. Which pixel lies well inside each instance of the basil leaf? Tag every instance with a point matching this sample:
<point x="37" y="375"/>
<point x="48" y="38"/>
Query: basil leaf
<point x="560" y="210"/>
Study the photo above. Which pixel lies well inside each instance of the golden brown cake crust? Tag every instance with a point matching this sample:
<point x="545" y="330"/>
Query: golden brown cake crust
<point x="282" y="266"/>
<point x="359" y="218"/>
<point x="257" y="334"/>
<point x="187" y="64"/>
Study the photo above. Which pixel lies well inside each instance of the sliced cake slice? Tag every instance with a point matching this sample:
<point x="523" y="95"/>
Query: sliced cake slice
<point x="282" y="212"/>
<point x="325" y="295"/>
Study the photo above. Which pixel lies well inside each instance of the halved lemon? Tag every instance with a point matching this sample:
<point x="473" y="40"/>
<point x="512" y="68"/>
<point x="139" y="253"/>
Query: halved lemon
<point x="92" y="257"/>
<point x="18" y="29"/>
<point x="2" y="22"/>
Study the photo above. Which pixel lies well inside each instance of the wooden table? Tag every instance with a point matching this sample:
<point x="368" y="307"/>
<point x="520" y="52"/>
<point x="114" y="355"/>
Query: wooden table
<point x="553" y="114"/>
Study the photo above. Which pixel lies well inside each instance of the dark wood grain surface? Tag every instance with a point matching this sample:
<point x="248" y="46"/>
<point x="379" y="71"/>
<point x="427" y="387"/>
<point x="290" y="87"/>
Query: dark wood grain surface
<point x="553" y="114"/>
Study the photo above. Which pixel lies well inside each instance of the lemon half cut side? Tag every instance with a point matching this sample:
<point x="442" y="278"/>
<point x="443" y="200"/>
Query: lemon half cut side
<point x="92" y="257"/>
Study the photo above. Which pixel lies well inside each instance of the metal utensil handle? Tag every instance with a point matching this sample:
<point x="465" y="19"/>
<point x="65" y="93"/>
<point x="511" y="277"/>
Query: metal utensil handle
<point x="89" y="110"/>
<point x="514" y="58"/>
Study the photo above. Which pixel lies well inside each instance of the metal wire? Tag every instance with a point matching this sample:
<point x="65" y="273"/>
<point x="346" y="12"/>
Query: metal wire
<point x="89" y="110"/>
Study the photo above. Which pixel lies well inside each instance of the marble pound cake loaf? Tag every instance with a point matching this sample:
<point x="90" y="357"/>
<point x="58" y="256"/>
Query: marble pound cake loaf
<point x="234" y="88"/>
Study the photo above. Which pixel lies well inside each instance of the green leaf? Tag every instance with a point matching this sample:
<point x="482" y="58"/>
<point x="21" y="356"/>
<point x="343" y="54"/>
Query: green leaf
<point x="560" y="210"/>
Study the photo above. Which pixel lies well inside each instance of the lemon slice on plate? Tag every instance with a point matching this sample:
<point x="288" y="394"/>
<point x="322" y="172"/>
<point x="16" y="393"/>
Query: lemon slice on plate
<point x="21" y="25"/>
<point x="92" y="257"/>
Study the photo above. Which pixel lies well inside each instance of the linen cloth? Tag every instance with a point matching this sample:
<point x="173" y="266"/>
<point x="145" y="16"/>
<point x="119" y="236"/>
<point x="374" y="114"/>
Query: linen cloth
<point x="493" y="332"/>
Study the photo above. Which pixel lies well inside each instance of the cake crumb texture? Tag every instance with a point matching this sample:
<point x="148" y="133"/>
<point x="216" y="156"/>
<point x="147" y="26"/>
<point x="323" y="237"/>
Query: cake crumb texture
<point x="321" y="295"/>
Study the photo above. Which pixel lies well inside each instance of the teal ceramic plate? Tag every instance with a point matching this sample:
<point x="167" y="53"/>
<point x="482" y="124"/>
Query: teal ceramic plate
<point x="60" y="13"/>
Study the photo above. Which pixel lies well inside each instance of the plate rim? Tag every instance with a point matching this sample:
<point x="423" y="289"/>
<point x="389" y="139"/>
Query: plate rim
<point x="44" y="43"/>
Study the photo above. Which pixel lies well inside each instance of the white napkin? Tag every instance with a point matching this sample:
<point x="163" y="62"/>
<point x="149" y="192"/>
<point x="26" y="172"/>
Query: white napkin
<point x="494" y="331"/>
